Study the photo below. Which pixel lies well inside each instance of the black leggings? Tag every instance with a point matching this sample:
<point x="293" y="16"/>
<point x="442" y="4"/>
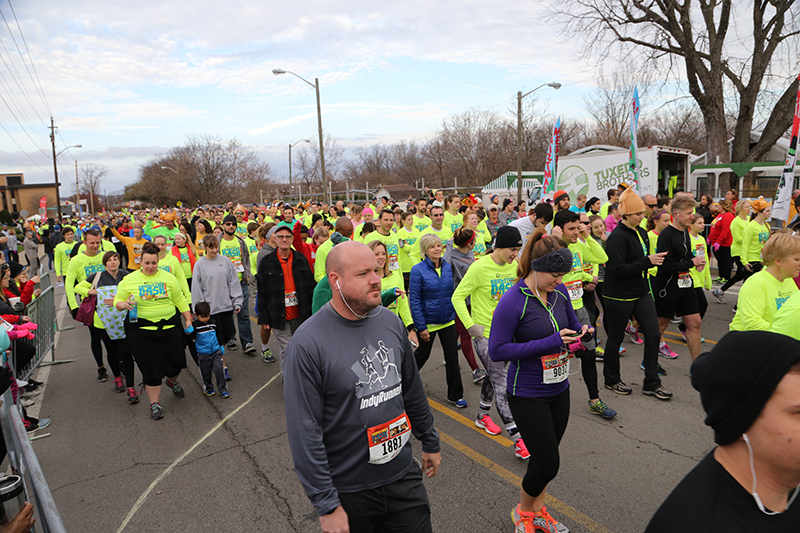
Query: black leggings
<point x="741" y="273"/>
<point x="589" y="371"/>
<point x="448" y="337"/>
<point x="118" y="354"/>
<point x="618" y="313"/>
<point x="724" y="262"/>
<point x="541" y="422"/>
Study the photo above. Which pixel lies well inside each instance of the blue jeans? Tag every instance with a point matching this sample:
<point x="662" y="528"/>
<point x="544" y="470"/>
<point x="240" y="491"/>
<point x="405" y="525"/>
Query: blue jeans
<point x="243" y="316"/>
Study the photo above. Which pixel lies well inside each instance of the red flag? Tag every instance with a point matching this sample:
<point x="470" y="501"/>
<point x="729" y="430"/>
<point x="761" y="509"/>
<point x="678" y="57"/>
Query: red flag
<point x="43" y="202"/>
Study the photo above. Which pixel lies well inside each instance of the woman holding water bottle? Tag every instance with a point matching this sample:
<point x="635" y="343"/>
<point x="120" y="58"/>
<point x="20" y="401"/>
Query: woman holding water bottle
<point x="154" y="301"/>
<point x="108" y="325"/>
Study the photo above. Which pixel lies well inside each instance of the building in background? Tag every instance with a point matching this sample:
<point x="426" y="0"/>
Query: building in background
<point x="16" y="196"/>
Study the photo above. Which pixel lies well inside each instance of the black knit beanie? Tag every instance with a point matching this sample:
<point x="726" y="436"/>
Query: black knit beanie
<point x="508" y="237"/>
<point x="738" y="377"/>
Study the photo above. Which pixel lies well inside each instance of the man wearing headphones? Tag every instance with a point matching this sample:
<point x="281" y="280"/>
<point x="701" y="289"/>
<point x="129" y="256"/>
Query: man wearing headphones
<point x="353" y="403"/>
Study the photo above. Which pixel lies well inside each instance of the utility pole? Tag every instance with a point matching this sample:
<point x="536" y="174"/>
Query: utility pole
<point x="55" y="168"/>
<point x="77" y="189"/>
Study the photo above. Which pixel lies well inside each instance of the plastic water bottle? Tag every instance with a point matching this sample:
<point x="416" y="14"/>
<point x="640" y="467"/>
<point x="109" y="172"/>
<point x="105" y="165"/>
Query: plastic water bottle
<point x="133" y="312"/>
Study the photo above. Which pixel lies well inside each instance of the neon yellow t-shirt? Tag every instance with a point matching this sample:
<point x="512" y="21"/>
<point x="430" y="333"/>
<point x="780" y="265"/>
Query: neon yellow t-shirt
<point x="700" y="279"/>
<point x="156" y="296"/>
<point x="754" y="237"/>
<point x="583" y="255"/>
<point x="760" y="299"/>
<point x="409" y="254"/>
<point x="392" y="248"/>
<point x="80" y="267"/>
<point x="453" y="221"/>
<point x="787" y="319"/>
<point x="233" y="251"/>
<point x="485" y="282"/>
<point x="420" y="223"/>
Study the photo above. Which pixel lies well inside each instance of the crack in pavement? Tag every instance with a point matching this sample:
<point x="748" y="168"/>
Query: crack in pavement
<point x="278" y="499"/>
<point x="101" y="476"/>
<point x="616" y="428"/>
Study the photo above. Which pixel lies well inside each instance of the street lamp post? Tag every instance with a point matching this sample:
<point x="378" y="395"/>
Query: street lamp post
<point x="278" y="71"/>
<point x="290" y="157"/>
<point x="520" y="96"/>
<point x="55" y="171"/>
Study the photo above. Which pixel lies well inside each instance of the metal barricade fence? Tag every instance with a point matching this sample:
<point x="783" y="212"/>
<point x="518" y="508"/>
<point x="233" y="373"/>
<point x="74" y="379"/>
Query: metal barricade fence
<point x="24" y="463"/>
<point x="41" y="311"/>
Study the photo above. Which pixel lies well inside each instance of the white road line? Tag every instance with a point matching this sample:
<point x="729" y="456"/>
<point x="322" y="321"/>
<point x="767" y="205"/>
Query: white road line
<point x="166" y="472"/>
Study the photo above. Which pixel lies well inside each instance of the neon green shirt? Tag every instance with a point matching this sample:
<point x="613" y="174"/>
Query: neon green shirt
<point x="583" y="255"/>
<point x="241" y="229"/>
<point x="760" y="298"/>
<point x="392" y="248"/>
<point x="80" y="267"/>
<point x="186" y="264"/>
<point x="754" y="236"/>
<point x="453" y="221"/>
<point x="61" y="255"/>
<point x="171" y="265"/>
<point x="400" y="306"/>
<point x="787" y="319"/>
<point x="737" y="227"/>
<point x="156" y="296"/>
<point x="154" y="232"/>
<point x="444" y="234"/>
<point x="485" y="282"/>
<point x="409" y="254"/>
<point x="252" y="249"/>
<point x="233" y="251"/>
<point x="700" y="279"/>
<point x="420" y="223"/>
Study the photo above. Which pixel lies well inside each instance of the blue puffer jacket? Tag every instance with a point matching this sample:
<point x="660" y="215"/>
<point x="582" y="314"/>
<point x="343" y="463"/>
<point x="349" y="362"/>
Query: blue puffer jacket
<point x="429" y="295"/>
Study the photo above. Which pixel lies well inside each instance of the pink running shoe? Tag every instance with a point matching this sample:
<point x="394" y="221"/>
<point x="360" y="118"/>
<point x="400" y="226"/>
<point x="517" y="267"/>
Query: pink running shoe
<point x="666" y="352"/>
<point x="634" y="335"/>
<point x="484" y="421"/>
<point x="520" y="450"/>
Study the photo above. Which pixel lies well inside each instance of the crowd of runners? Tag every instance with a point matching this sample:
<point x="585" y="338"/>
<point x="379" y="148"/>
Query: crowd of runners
<point x="524" y="294"/>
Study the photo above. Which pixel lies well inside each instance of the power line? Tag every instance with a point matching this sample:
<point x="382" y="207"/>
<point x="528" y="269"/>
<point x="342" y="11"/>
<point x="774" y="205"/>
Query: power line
<point x="21" y="148"/>
<point x="20" y="53"/>
<point x="23" y="127"/>
<point x="24" y="92"/>
<point x="30" y="57"/>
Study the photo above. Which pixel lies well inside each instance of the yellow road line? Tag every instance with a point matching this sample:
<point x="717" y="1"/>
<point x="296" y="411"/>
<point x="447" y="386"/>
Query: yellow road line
<point x="550" y="501"/>
<point x="678" y="336"/>
<point x="183" y="456"/>
<point x="469" y="423"/>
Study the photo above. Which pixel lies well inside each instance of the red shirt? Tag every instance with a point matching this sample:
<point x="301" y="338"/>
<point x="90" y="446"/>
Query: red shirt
<point x="289" y="290"/>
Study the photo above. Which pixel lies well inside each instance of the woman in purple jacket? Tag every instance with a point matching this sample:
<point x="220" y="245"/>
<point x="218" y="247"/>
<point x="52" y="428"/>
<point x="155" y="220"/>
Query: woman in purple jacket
<point x="533" y="327"/>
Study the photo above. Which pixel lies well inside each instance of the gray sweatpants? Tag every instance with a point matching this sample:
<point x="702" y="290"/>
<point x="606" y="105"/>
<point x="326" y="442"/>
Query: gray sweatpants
<point x="212" y="364"/>
<point x="494" y="385"/>
<point x="283" y="336"/>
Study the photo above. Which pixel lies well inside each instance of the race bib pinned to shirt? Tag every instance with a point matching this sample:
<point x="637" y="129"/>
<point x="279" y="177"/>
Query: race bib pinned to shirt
<point x="555" y="368"/>
<point x="290" y="299"/>
<point x="387" y="440"/>
<point x="575" y="289"/>
<point x="684" y="280"/>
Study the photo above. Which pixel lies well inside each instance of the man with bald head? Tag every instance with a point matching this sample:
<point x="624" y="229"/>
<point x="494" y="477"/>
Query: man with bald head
<point x="352" y="405"/>
<point x="343" y="231"/>
<point x="650" y="203"/>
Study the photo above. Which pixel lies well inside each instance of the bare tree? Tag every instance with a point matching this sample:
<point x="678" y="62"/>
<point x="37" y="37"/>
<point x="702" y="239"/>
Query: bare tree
<point x="91" y="179"/>
<point x="695" y="41"/>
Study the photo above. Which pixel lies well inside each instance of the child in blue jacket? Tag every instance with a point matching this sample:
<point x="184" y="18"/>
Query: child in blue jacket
<point x="209" y="351"/>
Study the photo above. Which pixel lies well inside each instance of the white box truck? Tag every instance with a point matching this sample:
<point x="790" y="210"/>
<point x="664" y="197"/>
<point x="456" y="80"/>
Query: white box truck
<point x="596" y="169"/>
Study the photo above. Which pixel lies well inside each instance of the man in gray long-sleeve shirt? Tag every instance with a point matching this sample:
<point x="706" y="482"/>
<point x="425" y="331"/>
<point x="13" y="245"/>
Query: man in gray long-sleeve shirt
<point x="352" y="405"/>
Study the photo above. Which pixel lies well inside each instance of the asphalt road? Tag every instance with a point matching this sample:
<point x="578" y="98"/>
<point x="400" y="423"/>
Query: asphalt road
<point x="225" y="465"/>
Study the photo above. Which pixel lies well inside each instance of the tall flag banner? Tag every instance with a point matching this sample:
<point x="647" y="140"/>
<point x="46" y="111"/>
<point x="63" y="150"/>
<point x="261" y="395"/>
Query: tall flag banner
<point x="633" y="159"/>
<point x="783" y="196"/>
<point x="551" y="163"/>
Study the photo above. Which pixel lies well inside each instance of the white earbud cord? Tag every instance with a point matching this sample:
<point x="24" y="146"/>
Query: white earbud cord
<point x="756" y="497"/>
<point x="361" y="317"/>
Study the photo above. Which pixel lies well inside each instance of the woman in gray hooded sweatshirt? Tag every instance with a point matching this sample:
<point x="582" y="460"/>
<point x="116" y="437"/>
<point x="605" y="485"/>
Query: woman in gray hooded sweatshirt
<point x="459" y="255"/>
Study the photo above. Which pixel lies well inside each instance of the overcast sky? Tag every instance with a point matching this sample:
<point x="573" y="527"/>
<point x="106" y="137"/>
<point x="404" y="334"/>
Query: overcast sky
<point x="131" y="80"/>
